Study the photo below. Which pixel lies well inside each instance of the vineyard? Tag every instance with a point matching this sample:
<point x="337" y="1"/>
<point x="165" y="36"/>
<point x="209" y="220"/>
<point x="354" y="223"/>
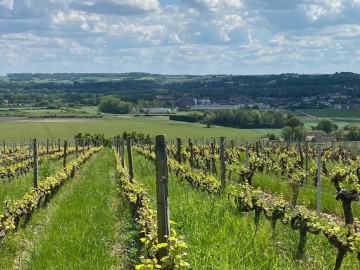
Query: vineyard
<point x="149" y="203"/>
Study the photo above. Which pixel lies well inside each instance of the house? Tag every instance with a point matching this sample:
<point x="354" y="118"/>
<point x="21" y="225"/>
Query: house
<point x="325" y="138"/>
<point x="311" y="135"/>
<point x="185" y="102"/>
<point x="165" y="101"/>
<point x="320" y="136"/>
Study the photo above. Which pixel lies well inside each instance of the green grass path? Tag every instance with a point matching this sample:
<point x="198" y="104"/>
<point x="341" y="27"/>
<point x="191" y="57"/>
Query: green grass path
<point x="87" y="225"/>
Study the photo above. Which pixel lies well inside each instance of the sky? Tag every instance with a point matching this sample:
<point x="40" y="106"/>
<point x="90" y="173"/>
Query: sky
<point x="180" y="37"/>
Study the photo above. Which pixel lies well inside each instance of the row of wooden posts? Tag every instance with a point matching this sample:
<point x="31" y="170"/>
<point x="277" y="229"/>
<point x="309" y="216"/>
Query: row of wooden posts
<point x="66" y="144"/>
<point x="49" y="144"/>
<point x="162" y="175"/>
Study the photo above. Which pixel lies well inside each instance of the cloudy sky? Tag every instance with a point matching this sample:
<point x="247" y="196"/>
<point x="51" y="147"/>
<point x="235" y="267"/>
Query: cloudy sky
<point x="180" y="37"/>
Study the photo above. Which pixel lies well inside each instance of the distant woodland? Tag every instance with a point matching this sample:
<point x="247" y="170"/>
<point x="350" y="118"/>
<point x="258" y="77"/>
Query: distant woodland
<point x="73" y="89"/>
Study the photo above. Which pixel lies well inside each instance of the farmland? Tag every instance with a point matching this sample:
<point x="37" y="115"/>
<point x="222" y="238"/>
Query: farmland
<point x="199" y="207"/>
<point x="23" y="129"/>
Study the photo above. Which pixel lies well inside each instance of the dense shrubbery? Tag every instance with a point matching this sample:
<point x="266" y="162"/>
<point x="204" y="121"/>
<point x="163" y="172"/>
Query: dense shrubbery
<point x="109" y="104"/>
<point x="185" y="118"/>
<point x="249" y="118"/>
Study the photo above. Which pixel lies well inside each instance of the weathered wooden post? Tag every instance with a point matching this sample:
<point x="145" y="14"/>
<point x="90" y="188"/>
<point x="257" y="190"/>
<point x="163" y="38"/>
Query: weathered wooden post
<point x="31" y="143"/>
<point x="301" y="155"/>
<point x="307" y="161"/>
<point x="122" y="152"/>
<point x="130" y="160"/>
<point x="47" y="146"/>
<point x="36" y="163"/>
<point x="247" y="154"/>
<point x="65" y="153"/>
<point x="162" y="196"/>
<point x="191" y="153"/>
<point x="83" y="146"/>
<point x="222" y="162"/>
<point x="178" y="154"/>
<point x="76" y="147"/>
<point x="318" y="179"/>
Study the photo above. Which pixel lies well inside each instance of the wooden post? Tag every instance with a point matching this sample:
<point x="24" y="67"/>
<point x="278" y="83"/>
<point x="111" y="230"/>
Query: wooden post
<point x="31" y="143"/>
<point x="47" y="146"/>
<point x="307" y="161"/>
<point x="318" y="180"/>
<point x="301" y="155"/>
<point x="222" y="162"/>
<point x="191" y="153"/>
<point x="65" y="149"/>
<point x="178" y="154"/>
<point x="83" y="146"/>
<point x="162" y="196"/>
<point x="247" y="154"/>
<point x="36" y="164"/>
<point x="130" y="160"/>
<point x="76" y="147"/>
<point x="59" y="145"/>
<point x="122" y="152"/>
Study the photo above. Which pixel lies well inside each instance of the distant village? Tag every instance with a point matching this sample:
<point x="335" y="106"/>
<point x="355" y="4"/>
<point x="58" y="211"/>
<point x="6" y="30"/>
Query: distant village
<point x="168" y="103"/>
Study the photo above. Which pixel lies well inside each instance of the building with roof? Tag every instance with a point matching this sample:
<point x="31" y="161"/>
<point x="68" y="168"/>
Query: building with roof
<point x="167" y="101"/>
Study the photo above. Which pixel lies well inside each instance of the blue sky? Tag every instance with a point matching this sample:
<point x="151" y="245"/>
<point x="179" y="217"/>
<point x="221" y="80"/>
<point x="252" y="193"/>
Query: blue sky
<point x="180" y="37"/>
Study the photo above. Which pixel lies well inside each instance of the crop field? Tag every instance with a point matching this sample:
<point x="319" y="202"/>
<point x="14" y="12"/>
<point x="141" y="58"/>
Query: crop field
<point x="82" y="112"/>
<point x="99" y="208"/>
<point x="23" y="129"/>
<point x="333" y="113"/>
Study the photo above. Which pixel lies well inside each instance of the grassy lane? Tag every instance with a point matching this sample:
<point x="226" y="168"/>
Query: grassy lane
<point x="17" y="187"/>
<point x="85" y="226"/>
<point x="221" y="238"/>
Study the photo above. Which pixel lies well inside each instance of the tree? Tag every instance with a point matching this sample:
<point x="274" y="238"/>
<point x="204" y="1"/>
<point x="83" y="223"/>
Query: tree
<point x="208" y="119"/>
<point x="286" y="133"/>
<point x="292" y="121"/>
<point x="271" y="136"/>
<point x="326" y="125"/>
<point x="299" y="133"/>
<point x="2" y="102"/>
<point x="111" y="104"/>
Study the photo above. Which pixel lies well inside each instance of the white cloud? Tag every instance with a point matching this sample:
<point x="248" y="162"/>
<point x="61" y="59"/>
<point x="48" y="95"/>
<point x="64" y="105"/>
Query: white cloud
<point x="144" y="4"/>
<point x="9" y="4"/>
<point x="323" y="8"/>
<point x="207" y="36"/>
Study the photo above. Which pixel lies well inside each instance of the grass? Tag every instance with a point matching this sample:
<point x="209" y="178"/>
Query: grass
<point x="339" y="117"/>
<point x="332" y="113"/>
<point x="113" y="125"/>
<point x="47" y="113"/>
<point x="85" y="226"/>
<point x="221" y="238"/>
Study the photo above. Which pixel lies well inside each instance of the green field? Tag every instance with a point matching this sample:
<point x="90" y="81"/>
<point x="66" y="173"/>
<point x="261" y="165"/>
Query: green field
<point x="84" y="112"/>
<point x="333" y="113"/>
<point x="310" y="117"/>
<point x="113" y="125"/>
